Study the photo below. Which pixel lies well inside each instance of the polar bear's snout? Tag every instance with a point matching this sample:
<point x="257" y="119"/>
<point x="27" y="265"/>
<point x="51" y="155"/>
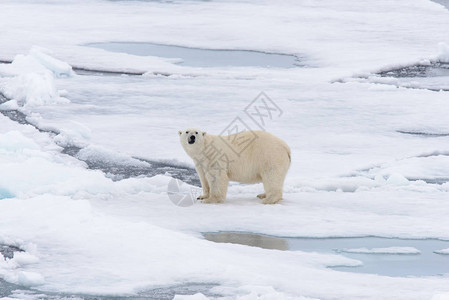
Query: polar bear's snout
<point x="191" y="139"/>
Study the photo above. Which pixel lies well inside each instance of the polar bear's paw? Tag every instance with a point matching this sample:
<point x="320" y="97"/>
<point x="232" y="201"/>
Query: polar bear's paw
<point x="212" y="200"/>
<point x="202" y="197"/>
<point x="262" y="196"/>
<point x="271" y="200"/>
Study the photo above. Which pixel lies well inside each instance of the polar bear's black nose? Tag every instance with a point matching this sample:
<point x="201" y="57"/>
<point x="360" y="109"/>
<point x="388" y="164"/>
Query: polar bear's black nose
<point x="191" y="139"/>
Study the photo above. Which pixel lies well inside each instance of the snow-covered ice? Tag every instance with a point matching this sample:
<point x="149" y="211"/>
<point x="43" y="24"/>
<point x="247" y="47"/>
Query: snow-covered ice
<point x="356" y="169"/>
<point x="443" y="251"/>
<point x="32" y="79"/>
<point x="444" y="53"/>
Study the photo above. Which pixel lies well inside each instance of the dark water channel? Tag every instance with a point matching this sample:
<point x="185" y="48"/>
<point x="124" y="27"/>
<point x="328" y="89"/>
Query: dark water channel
<point x="434" y="69"/>
<point x="433" y="76"/>
<point x="445" y="3"/>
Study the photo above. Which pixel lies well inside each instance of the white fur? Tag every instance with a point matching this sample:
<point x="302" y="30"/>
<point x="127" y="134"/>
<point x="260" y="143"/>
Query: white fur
<point x="245" y="157"/>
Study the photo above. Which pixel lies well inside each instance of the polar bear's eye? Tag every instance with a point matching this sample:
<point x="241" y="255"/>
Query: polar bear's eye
<point x="196" y="132"/>
<point x="187" y="132"/>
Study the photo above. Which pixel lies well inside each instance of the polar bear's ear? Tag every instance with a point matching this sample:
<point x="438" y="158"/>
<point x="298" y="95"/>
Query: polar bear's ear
<point x="204" y="133"/>
<point x="179" y="132"/>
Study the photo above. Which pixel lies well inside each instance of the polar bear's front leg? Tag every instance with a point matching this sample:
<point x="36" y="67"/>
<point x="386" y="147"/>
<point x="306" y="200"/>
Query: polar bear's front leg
<point x="204" y="185"/>
<point x="218" y="183"/>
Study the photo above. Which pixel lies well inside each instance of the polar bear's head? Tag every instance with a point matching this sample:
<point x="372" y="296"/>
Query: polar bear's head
<point x="192" y="140"/>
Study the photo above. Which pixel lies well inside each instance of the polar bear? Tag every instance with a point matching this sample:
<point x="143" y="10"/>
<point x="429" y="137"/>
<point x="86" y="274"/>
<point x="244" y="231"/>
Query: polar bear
<point x="245" y="157"/>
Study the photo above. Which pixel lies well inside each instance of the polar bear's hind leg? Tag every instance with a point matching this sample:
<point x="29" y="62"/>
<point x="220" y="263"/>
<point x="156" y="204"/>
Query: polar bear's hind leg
<point x="273" y="182"/>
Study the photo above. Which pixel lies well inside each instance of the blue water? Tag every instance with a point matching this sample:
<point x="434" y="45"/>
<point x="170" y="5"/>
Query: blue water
<point x="196" y="57"/>
<point x="5" y="194"/>
<point x="427" y="263"/>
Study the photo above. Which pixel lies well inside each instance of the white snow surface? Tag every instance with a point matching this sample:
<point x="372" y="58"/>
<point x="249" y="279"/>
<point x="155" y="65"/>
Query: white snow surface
<point x="354" y="171"/>
<point x="443" y="251"/>
<point x="444" y="53"/>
